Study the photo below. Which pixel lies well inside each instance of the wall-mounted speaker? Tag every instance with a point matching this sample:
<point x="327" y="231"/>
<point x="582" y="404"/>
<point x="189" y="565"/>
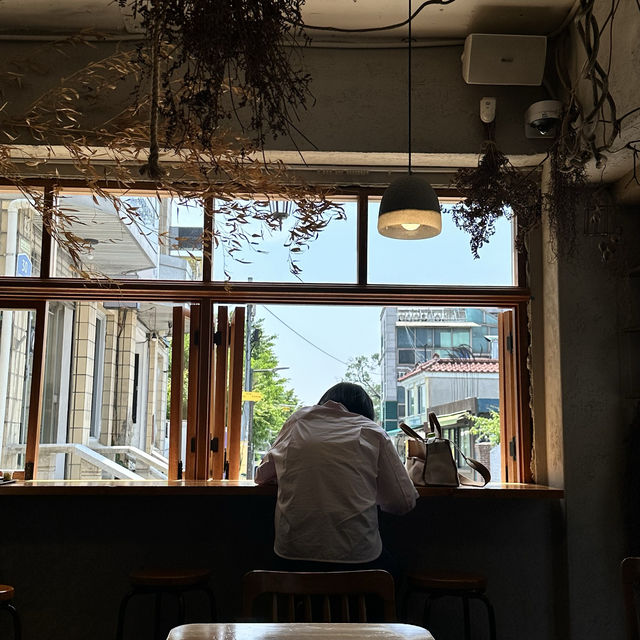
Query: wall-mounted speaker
<point x="503" y="59"/>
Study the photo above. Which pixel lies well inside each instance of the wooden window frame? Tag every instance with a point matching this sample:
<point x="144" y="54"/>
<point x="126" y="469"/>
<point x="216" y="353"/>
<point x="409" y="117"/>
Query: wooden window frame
<point x="35" y="293"/>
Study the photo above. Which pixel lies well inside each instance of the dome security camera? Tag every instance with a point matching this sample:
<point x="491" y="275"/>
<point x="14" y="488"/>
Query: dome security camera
<point x="542" y="118"/>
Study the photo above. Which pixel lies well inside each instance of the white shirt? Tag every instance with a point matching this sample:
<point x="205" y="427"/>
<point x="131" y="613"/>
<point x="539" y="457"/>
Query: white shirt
<point x="332" y="468"/>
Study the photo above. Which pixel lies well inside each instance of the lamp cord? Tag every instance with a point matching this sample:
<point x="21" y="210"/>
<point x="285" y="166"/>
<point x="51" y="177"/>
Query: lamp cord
<point x="409" y="84"/>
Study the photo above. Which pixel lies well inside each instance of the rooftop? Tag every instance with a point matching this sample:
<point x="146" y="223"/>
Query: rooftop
<point x="453" y="365"/>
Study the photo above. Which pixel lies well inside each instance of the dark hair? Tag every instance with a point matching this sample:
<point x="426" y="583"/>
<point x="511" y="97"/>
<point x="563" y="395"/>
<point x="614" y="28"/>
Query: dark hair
<point x="352" y="396"/>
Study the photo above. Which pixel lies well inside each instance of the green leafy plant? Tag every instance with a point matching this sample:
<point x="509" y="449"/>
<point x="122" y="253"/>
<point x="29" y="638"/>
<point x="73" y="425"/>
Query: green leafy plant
<point x="486" y="428"/>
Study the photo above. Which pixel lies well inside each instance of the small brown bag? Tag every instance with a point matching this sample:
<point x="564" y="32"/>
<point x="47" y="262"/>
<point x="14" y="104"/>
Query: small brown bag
<point x="430" y="460"/>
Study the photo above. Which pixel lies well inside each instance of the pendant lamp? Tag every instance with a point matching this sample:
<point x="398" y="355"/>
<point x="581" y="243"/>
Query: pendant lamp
<point x="409" y="209"/>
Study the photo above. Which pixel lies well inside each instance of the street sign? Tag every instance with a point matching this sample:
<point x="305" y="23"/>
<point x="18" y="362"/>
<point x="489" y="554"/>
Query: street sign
<point x="23" y="265"/>
<point x="251" y="396"/>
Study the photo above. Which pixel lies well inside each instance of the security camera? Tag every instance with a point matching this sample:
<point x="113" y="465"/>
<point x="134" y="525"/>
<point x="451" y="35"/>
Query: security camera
<point x="542" y="118"/>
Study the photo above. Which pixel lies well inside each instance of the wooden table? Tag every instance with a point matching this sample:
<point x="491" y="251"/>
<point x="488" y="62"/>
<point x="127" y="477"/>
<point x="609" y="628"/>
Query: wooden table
<point x="293" y="631"/>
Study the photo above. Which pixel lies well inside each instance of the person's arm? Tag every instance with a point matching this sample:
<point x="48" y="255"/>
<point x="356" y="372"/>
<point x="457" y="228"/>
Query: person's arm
<point x="266" y="472"/>
<point x="396" y="493"/>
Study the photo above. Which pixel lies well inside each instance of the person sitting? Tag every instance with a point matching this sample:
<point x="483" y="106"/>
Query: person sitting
<point x="334" y="466"/>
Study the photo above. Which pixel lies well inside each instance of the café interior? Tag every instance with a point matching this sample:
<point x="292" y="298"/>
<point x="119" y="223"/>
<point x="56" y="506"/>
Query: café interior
<point x="550" y="530"/>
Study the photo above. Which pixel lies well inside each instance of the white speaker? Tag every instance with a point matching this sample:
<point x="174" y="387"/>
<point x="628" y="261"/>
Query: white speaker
<point x="503" y="59"/>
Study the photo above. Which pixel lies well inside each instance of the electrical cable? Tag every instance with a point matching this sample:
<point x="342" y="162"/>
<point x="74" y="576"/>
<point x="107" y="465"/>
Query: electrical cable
<point x="315" y="346"/>
<point x="388" y="27"/>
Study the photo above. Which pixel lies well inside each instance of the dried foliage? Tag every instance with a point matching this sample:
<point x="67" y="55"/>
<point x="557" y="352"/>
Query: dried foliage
<point x="493" y="189"/>
<point x="210" y="62"/>
<point x="203" y="160"/>
<point x="567" y="194"/>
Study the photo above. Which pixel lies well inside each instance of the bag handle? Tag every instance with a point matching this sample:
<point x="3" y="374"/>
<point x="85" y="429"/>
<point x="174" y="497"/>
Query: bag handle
<point x="435" y="425"/>
<point x="410" y="432"/>
<point x="474" y="464"/>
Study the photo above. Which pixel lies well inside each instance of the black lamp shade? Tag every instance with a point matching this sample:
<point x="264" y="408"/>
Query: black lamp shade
<point x="409" y="210"/>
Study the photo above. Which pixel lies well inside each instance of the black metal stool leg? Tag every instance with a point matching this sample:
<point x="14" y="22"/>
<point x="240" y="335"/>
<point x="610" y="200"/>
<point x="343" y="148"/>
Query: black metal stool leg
<point x="180" y="607"/>
<point x="16" y="621"/>
<point x="426" y="612"/>
<point x="212" y="604"/>
<point x="157" y="616"/>
<point x="491" y="615"/>
<point x="121" y="614"/>
<point x="467" y="617"/>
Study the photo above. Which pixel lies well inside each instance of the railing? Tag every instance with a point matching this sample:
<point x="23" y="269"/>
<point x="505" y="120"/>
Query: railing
<point x="101" y="457"/>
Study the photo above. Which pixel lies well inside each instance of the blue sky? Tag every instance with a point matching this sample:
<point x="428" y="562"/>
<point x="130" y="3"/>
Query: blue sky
<point x="346" y="332"/>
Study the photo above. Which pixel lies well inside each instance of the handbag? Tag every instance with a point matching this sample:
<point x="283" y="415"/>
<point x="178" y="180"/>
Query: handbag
<point x="430" y="460"/>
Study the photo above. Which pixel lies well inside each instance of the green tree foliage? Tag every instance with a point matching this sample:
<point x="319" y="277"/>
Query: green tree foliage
<point x="278" y="400"/>
<point x="487" y="428"/>
<point x="365" y="371"/>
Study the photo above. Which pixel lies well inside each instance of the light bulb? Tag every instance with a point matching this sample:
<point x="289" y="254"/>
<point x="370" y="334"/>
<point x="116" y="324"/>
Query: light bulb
<point x="409" y="227"/>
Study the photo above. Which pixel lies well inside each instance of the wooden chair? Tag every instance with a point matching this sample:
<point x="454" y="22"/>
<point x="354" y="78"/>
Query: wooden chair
<point x="334" y="596"/>
<point x="6" y="603"/>
<point x="172" y="582"/>
<point x="439" y="584"/>
<point x="630" y="570"/>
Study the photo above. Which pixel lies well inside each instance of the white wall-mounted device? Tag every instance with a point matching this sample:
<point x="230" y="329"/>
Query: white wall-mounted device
<point x="504" y="59"/>
<point x="488" y="110"/>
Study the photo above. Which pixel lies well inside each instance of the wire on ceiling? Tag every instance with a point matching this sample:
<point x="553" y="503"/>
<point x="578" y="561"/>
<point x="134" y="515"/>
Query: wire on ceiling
<point x="388" y="27"/>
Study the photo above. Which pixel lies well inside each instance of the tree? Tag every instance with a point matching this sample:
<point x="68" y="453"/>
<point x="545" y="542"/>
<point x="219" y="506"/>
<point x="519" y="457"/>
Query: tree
<point x="278" y="400"/>
<point x="365" y="371"/>
<point x="486" y="428"/>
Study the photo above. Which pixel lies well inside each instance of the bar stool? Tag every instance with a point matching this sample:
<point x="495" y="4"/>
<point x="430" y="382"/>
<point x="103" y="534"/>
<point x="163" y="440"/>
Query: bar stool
<point x="159" y="582"/>
<point x="439" y="584"/>
<point x="6" y="603"/>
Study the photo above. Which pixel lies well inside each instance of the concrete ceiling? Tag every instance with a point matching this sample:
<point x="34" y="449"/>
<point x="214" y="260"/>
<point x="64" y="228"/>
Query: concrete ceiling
<point x="454" y="20"/>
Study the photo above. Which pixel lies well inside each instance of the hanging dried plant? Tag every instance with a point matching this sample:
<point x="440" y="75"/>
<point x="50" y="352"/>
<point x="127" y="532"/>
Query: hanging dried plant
<point x="199" y="165"/>
<point x="211" y="62"/>
<point x="568" y="193"/>
<point x="493" y="189"/>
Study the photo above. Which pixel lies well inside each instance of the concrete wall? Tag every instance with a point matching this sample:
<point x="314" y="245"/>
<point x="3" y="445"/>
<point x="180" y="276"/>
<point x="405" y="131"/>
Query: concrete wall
<point x="355" y="92"/>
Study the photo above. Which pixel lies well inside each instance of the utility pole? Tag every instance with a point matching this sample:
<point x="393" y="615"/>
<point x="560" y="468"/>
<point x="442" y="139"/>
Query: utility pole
<point x="247" y="409"/>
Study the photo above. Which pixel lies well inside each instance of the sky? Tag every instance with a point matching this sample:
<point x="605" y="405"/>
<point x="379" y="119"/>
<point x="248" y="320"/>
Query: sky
<point x="316" y="342"/>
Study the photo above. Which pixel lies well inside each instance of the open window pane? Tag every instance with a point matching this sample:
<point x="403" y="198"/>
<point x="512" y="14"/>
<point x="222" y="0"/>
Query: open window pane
<point x="443" y="260"/>
<point x="20" y="236"/>
<point x="264" y="255"/>
<point x="139" y="238"/>
<point x="17" y="328"/>
<point x="391" y="352"/>
<point x="106" y="394"/>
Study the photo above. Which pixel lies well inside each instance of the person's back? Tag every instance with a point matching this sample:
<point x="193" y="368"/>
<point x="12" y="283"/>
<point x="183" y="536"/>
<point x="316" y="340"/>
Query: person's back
<point x="333" y="467"/>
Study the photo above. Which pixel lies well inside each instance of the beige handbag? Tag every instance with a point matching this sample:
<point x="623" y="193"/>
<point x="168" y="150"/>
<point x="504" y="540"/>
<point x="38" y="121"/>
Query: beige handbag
<point x="430" y="460"/>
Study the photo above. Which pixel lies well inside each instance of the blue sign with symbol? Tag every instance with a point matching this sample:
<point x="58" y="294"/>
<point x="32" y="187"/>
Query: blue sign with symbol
<point x="23" y="265"/>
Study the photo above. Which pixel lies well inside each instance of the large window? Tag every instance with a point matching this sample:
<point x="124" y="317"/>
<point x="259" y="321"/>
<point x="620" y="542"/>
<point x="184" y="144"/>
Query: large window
<point x="188" y="358"/>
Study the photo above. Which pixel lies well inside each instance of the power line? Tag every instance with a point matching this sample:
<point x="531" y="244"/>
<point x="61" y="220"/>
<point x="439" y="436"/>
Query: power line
<point x="315" y="346"/>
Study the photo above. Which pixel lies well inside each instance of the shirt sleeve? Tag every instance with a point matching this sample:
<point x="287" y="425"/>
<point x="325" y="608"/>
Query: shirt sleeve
<point x="266" y="472"/>
<point x="396" y="493"/>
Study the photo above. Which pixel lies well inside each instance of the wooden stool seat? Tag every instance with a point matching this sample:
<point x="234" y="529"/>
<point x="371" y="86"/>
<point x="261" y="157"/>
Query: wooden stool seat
<point x="6" y="592"/>
<point x="458" y="584"/>
<point x="169" y="577"/>
<point x="446" y="580"/>
<point x="161" y="582"/>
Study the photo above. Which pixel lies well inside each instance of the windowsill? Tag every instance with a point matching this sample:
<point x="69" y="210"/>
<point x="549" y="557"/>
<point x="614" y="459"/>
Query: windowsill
<point x="244" y="487"/>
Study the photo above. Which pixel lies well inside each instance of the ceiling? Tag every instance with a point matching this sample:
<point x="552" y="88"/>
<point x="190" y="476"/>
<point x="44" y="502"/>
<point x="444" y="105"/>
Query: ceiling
<point x="451" y="21"/>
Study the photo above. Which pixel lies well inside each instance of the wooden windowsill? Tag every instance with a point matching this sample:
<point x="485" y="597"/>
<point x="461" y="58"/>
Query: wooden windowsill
<point x="247" y="488"/>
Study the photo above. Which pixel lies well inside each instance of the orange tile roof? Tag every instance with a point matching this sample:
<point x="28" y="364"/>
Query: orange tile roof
<point x="450" y="365"/>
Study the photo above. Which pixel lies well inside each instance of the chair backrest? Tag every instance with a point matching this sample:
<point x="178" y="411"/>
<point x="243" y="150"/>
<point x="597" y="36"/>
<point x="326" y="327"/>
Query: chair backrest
<point x="334" y="596"/>
<point x="630" y="568"/>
